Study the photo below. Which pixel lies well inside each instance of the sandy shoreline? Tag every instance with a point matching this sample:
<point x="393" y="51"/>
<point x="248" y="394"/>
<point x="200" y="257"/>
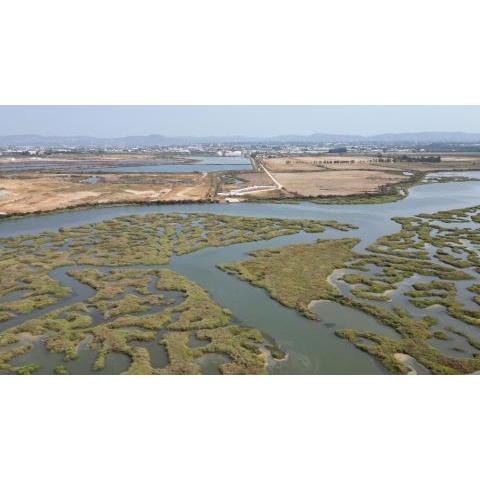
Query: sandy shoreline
<point x="406" y="360"/>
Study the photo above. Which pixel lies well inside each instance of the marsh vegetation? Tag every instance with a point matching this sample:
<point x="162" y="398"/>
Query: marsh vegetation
<point x="99" y="298"/>
<point x="132" y="306"/>
<point x="441" y="249"/>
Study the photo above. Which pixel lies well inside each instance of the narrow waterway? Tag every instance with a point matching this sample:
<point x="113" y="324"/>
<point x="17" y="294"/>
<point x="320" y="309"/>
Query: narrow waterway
<point x="312" y="347"/>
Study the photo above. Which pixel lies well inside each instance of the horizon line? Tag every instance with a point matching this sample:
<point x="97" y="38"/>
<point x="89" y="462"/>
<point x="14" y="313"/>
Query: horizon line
<point x="411" y="132"/>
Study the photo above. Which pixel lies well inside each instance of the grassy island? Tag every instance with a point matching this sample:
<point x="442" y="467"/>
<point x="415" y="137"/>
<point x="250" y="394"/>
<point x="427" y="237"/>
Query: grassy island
<point x="297" y="274"/>
<point x="136" y="308"/>
<point x="427" y="246"/>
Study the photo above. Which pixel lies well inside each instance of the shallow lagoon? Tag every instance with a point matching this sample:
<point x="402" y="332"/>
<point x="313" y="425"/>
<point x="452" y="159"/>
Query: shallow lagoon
<point x="312" y="347"/>
<point x="200" y="163"/>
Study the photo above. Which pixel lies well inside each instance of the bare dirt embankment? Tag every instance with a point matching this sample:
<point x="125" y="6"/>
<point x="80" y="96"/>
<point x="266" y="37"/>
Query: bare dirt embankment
<point x="31" y="193"/>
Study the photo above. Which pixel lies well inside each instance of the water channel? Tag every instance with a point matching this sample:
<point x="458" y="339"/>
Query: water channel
<point x="312" y="347"/>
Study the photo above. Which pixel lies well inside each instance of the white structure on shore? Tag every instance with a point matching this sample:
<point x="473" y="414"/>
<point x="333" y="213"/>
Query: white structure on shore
<point x="229" y="153"/>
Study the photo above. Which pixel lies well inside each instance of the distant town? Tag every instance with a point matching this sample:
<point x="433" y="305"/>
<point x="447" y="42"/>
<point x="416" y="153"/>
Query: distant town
<point x="122" y="241"/>
<point x="29" y="145"/>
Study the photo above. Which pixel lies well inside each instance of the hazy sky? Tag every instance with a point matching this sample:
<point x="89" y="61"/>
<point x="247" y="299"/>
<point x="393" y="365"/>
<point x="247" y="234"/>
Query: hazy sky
<point x="110" y="121"/>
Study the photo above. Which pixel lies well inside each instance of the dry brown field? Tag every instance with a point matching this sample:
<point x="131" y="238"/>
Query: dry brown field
<point x="39" y="192"/>
<point x="292" y="164"/>
<point x="332" y="182"/>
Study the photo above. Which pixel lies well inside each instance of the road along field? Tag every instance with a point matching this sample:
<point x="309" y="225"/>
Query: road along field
<point x="35" y="192"/>
<point x="347" y="178"/>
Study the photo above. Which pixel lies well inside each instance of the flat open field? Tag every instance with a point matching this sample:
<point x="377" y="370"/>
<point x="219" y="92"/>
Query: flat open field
<point x="37" y="191"/>
<point x="355" y="176"/>
<point x="293" y="164"/>
<point x="309" y="163"/>
<point x="331" y="182"/>
<point x="28" y="193"/>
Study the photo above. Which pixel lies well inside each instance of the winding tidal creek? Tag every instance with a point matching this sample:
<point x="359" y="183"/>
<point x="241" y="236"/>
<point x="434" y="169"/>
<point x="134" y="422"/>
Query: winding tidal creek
<point x="311" y="347"/>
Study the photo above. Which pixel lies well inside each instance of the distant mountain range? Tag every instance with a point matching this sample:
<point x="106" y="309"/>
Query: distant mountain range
<point x="162" y="140"/>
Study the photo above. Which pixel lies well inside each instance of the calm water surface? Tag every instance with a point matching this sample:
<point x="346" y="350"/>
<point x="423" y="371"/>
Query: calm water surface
<point x="312" y="347"/>
<point x="202" y="164"/>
